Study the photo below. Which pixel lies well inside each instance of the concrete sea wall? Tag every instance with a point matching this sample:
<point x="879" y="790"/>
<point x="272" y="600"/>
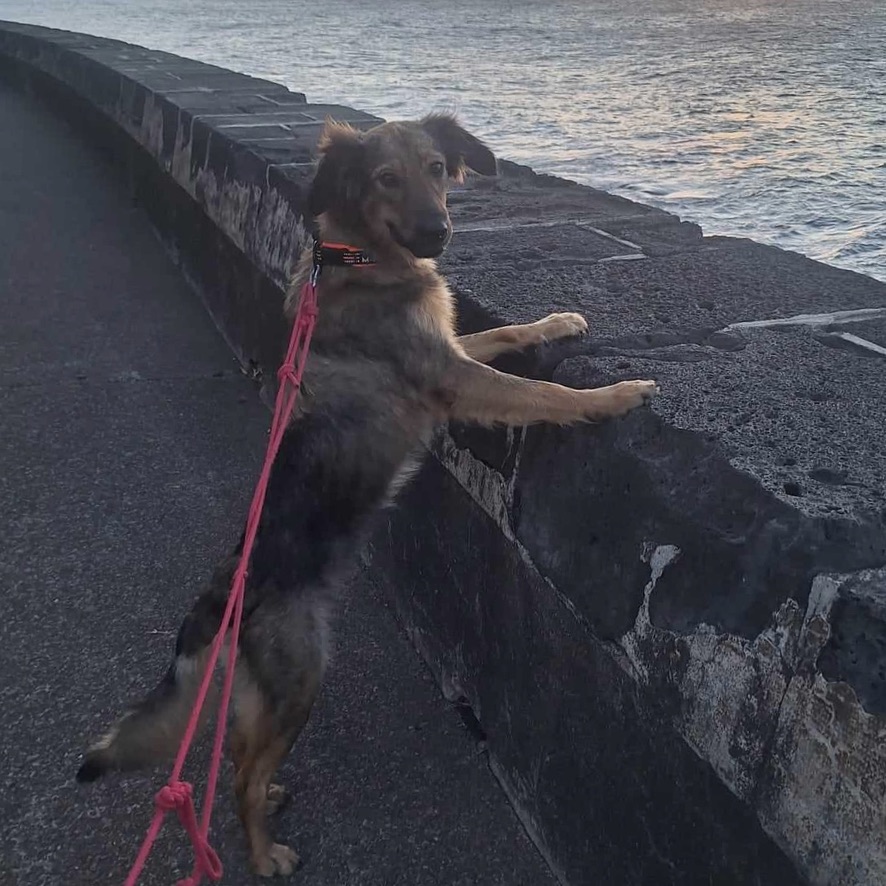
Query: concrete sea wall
<point x="670" y="629"/>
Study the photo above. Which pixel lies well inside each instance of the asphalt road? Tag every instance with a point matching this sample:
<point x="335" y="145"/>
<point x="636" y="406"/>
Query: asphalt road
<point x="129" y="442"/>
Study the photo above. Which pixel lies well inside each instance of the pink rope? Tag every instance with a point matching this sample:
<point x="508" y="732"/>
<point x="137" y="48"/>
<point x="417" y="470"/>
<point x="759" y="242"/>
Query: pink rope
<point x="177" y="795"/>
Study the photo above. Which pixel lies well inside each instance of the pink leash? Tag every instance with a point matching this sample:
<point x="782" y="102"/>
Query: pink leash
<point x="177" y="795"/>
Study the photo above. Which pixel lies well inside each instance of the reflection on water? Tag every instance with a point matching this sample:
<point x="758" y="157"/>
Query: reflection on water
<point x="761" y="118"/>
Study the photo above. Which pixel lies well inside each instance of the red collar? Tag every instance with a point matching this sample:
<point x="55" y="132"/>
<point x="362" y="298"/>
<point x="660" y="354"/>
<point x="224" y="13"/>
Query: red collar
<point x="339" y="254"/>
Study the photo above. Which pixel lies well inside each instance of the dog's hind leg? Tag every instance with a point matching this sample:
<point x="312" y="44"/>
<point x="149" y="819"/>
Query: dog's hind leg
<point x="278" y="677"/>
<point x="486" y="346"/>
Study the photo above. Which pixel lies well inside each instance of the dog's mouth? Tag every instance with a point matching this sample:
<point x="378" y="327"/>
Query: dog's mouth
<point x="428" y="244"/>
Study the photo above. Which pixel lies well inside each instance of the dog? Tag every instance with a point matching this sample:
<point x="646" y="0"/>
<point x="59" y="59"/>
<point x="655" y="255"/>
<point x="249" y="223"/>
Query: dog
<point x="386" y="369"/>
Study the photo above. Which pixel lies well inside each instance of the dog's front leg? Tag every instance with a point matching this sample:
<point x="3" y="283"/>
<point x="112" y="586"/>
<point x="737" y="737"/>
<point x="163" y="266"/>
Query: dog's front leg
<point x="486" y="346"/>
<point x="478" y="393"/>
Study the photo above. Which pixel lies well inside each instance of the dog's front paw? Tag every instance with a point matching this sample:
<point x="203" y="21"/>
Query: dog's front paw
<point x="618" y="399"/>
<point x="628" y="395"/>
<point x="279" y="860"/>
<point x="565" y="325"/>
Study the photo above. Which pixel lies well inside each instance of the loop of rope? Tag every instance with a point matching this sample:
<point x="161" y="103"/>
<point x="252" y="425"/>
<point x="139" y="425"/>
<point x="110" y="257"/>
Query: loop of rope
<point x="177" y="796"/>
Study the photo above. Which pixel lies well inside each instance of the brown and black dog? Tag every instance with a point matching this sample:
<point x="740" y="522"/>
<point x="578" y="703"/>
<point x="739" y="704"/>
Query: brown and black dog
<point x="385" y="370"/>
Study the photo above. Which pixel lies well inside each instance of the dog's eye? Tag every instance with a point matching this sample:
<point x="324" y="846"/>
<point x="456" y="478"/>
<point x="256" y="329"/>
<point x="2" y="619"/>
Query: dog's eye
<point x="388" y="180"/>
<point x="437" y="169"/>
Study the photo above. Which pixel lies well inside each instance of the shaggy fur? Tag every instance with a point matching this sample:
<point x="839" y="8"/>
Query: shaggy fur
<point x="386" y="368"/>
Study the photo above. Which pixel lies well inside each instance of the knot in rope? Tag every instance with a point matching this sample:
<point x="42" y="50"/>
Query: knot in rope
<point x="286" y="373"/>
<point x="173" y="797"/>
<point x="177" y="796"/>
<point x="310" y="313"/>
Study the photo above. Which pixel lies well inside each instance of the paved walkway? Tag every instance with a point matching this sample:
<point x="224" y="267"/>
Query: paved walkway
<point x="129" y="443"/>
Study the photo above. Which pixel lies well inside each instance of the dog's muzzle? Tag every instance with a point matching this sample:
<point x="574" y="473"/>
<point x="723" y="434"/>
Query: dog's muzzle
<point x="429" y="238"/>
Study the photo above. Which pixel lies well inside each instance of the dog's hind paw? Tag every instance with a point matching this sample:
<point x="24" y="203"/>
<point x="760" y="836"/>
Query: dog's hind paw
<point x="278" y="797"/>
<point x="279" y="860"/>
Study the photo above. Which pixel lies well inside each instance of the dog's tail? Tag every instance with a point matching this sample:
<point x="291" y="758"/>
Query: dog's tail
<point x="151" y="731"/>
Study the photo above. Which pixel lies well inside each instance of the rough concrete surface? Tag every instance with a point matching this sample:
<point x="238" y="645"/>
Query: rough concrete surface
<point x="129" y="447"/>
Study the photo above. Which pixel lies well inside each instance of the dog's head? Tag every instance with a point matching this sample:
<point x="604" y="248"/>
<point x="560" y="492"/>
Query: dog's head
<point x="388" y="185"/>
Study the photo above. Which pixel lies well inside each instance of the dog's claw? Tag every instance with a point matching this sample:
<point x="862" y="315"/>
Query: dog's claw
<point x="650" y="393"/>
<point x="648" y="390"/>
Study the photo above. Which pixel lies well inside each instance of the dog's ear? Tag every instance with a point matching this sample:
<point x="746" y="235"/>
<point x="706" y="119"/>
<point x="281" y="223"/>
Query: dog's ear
<point x="461" y="149"/>
<point x="340" y="180"/>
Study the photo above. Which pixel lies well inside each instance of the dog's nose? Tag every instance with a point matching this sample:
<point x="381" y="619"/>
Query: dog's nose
<point x="432" y="230"/>
<point x="430" y="236"/>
